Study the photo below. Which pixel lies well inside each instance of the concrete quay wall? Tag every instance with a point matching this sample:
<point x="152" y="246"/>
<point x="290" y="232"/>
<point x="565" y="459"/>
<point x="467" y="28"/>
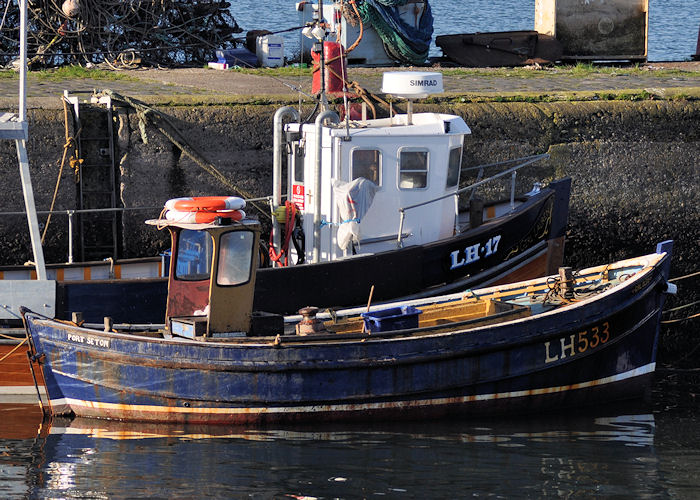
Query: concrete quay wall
<point x="635" y="167"/>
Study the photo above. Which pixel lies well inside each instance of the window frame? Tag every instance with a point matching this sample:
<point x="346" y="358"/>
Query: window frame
<point x="193" y="277"/>
<point x="221" y="261"/>
<point x="379" y="157"/>
<point x="449" y="167"/>
<point x="401" y="171"/>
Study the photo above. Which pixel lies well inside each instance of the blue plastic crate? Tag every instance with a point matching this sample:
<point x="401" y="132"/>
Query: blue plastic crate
<point x="237" y="57"/>
<point x="395" y="318"/>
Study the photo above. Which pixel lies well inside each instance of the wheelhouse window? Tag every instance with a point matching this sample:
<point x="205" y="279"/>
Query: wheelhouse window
<point x="367" y="163"/>
<point x="298" y="162"/>
<point x="453" y="167"/>
<point x="194" y="254"/>
<point x="413" y="169"/>
<point x="235" y="258"/>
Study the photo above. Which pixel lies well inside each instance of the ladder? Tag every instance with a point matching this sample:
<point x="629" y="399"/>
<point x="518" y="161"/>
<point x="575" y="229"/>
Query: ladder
<point x="98" y="232"/>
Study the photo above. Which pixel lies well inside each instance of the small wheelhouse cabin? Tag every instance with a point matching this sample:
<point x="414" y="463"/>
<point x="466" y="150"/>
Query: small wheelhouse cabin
<point x="212" y="277"/>
<point x="406" y="163"/>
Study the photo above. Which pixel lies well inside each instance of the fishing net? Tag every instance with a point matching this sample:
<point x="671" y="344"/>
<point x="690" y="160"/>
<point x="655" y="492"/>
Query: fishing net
<point x="118" y="32"/>
<point x="401" y="41"/>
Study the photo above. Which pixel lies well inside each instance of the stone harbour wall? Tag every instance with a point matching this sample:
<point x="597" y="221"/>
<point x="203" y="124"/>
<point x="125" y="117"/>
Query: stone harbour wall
<point x="635" y="167"/>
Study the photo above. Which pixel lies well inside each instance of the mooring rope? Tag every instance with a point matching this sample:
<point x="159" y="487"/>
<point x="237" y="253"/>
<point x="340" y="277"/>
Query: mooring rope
<point x="671" y="321"/>
<point x="153" y="116"/>
<point x="74" y="161"/>
<point x="684" y="306"/>
<point x="24" y="341"/>
<point x="680" y="278"/>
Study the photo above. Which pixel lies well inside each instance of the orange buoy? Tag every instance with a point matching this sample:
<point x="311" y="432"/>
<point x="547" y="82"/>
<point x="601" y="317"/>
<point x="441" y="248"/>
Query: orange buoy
<point x="202" y="217"/>
<point x="205" y="203"/>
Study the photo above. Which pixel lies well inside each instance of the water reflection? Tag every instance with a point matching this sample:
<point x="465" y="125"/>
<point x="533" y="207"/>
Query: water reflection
<point x="567" y="456"/>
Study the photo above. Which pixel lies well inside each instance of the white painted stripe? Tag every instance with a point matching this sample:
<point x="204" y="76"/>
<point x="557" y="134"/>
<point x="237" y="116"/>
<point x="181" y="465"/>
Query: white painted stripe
<point x="17" y="389"/>
<point x="355" y="407"/>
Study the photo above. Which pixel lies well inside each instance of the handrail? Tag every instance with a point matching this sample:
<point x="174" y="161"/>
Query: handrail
<point x="526" y="160"/>
<point x="71" y="211"/>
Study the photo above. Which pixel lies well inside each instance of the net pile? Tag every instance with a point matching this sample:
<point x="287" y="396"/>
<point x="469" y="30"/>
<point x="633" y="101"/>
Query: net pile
<point x="118" y="32"/>
<point x="403" y="42"/>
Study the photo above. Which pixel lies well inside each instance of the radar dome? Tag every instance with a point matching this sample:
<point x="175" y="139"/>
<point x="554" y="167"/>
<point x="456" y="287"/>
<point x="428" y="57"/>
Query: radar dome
<point x="412" y="84"/>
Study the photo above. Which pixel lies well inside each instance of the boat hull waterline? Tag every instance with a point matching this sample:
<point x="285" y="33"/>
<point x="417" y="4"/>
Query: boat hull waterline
<point x="596" y="350"/>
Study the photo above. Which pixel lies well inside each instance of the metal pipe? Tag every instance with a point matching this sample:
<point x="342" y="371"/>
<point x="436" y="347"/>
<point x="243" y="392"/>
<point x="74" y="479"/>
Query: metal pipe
<point x="23" y="61"/>
<point x="402" y="217"/>
<point x="94" y="210"/>
<point x="322" y="59"/>
<point x="278" y="125"/>
<point x="334" y="118"/>
<point x="30" y="207"/>
<point x="70" y="236"/>
<point x="512" y="190"/>
<point x="21" y="144"/>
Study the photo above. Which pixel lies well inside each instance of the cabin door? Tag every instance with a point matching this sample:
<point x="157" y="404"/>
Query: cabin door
<point x="379" y="225"/>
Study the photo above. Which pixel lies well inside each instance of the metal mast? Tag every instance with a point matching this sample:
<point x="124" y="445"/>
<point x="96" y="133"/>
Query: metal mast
<point x="14" y="127"/>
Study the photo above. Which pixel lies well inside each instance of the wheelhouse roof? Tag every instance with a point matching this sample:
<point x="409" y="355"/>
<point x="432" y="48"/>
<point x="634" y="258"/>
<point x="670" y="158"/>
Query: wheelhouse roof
<point x="423" y="124"/>
<point x="162" y="223"/>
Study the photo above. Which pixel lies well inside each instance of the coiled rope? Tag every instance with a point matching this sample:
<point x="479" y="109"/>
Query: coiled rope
<point x="119" y="32"/>
<point x="402" y="41"/>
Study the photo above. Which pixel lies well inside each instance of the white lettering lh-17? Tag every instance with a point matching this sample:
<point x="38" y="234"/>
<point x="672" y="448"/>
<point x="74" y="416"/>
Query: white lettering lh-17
<point x="472" y="253"/>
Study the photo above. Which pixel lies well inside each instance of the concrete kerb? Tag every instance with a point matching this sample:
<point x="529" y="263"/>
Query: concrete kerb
<point x="176" y="100"/>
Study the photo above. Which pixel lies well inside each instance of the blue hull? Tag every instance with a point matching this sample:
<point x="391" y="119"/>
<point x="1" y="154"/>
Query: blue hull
<point x="582" y="354"/>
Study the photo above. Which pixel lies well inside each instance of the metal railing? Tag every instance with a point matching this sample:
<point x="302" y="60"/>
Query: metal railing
<point x="525" y="161"/>
<point x="71" y="214"/>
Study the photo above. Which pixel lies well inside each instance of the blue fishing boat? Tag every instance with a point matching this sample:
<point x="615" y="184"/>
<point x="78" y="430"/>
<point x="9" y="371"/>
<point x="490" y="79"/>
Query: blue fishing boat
<point x="569" y="340"/>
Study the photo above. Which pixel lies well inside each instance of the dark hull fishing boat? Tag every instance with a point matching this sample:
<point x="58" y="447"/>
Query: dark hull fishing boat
<point x="503" y="48"/>
<point x="523" y="243"/>
<point x="414" y="216"/>
<point x="564" y="341"/>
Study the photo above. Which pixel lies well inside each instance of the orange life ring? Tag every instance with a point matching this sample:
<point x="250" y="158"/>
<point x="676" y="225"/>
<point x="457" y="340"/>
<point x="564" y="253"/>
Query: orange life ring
<point x="205" y="203"/>
<point x="203" y="217"/>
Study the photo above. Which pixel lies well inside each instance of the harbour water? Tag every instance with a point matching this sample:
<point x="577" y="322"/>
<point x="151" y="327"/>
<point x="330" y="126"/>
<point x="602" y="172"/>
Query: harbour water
<point x="621" y="451"/>
<point x="673" y="24"/>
